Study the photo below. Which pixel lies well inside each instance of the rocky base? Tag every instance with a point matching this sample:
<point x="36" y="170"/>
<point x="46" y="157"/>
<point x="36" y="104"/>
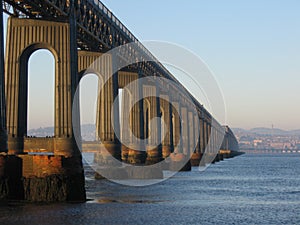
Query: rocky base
<point x="195" y="159"/>
<point x="41" y="178"/>
<point x="54" y="188"/>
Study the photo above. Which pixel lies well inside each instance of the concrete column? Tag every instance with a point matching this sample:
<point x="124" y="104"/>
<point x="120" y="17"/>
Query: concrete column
<point x="197" y="133"/>
<point x="208" y="127"/>
<point x="191" y="133"/>
<point x="196" y="157"/>
<point x="213" y="138"/>
<point x="136" y="149"/>
<point x="167" y="140"/>
<point x="176" y="122"/>
<point x="154" y="144"/>
<point x="3" y="132"/>
<point x="126" y="128"/>
<point x="171" y="127"/>
<point x="202" y="136"/>
<point x="205" y="136"/>
<point x="125" y="80"/>
<point x="72" y="101"/>
<point x="107" y="122"/>
<point x="185" y="130"/>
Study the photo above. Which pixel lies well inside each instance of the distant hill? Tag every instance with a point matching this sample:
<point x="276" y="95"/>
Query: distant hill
<point x="263" y="130"/>
<point x="41" y="132"/>
<point x="295" y="132"/>
<point x="87" y="132"/>
<point x="267" y="131"/>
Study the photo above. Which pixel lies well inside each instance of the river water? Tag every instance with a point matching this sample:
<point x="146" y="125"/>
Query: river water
<point x="250" y="189"/>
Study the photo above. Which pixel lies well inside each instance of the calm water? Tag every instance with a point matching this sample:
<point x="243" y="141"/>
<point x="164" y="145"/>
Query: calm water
<point x="250" y="189"/>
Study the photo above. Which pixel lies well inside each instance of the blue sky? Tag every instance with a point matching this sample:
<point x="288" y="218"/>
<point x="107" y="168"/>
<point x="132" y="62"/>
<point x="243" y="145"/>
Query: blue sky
<point x="252" y="47"/>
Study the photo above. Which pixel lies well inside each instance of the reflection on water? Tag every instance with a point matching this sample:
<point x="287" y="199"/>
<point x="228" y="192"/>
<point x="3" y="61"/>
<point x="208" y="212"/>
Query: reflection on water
<point x="251" y="189"/>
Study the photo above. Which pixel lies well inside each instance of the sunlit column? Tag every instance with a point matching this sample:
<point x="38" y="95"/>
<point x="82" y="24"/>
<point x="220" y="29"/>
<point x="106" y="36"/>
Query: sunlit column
<point x="136" y="148"/>
<point x="191" y="133"/>
<point x="107" y="122"/>
<point x="196" y="133"/>
<point x="176" y="121"/>
<point x="154" y="144"/>
<point x="196" y="156"/>
<point x="167" y="127"/>
<point x="202" y="135"/>
<point x="205" y="136"/>
<point x="184" y="134"/>
<point x="208" y="127"/>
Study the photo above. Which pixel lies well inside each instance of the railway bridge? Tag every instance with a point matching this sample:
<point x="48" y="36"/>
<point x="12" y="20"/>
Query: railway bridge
<point x="160" y="118"/>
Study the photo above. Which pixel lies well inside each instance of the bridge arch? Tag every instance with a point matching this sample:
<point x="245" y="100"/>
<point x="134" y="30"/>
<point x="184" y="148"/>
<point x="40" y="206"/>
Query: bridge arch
<point x="24" y="37"/>
<point x="24" y="81"/>
<point x="88" y="101"/>
<point x="41" y="96"/>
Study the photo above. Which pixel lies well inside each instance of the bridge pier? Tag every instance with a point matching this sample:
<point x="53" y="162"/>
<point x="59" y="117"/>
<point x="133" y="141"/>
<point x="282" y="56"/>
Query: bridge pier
<point x="196" y="156"/>
<point x="130" y="146"/>
<point x="176" y="121"/>
<point x="136" y="149"/>
<point x="107" y="116"/>
<point x="167" y="132"/>
<point x="179" y="159"/>
<point x="56" y="175"/>
<point x="153" y="126"/>
<point x="191" y="132"/>
<point x="107" y="121"/>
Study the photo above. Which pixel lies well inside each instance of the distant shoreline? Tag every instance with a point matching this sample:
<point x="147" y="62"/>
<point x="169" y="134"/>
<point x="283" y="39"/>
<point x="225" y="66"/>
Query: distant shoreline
<point x="277" y="151"/>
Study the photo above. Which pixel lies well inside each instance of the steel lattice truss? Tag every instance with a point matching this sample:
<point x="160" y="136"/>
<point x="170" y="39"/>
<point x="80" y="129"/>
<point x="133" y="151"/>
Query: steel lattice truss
<point x="97" y="28"/>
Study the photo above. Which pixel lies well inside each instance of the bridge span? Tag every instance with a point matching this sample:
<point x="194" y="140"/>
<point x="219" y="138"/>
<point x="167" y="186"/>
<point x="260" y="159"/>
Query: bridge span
<point x="81" y="35"/>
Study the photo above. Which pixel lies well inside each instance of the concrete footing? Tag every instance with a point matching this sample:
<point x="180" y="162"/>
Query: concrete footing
<point x="166" y="151"/>
<point x="124" y="153"/>
<point x="196" y="158"/>
<point x="153" y="155"/>
<point x="136" y="157"/>
<point x="41" y="178"/>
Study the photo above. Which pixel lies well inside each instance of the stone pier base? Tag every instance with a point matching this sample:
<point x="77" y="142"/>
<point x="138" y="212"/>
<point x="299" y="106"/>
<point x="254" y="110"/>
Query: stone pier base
<point x="196" y="158"/>
<point x="136" y="157"/>
<point x="41" y="178"/>
<point x="179" y="162"/>
<point x="166" y="151"/>
<point x="124" y="154"/>
<point x="216" y="159"/>
<point x="11" y="186"/>
<point x="153" y="155"/>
